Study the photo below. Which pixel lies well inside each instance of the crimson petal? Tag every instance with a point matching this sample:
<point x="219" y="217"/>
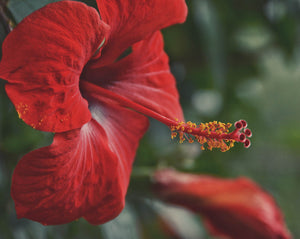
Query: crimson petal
<point x="84" y="173"/>
<point x="135" y="20"/>
<point x="231" y="208"/>
<point x="143" y="77"/>
<point x="42" y="61"/>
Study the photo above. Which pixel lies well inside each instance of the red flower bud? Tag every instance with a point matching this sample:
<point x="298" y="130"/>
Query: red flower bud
<point x="231" y="208"/>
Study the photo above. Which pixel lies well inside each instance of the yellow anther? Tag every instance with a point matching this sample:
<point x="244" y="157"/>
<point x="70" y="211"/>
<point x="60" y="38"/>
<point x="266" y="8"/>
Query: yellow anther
<point x="191" y="140"/>
<point x="201" y="127"/>
<point x="173" y="135"/>
<point x="181" y="137"/>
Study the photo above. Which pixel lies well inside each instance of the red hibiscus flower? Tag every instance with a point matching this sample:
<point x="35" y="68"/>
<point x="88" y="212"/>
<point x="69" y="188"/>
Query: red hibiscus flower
<point x="230" y="208"/>
<point x="64" y="75"/>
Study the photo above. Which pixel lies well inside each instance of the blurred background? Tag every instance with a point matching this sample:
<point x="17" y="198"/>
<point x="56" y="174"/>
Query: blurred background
<point x="232" y="60"/>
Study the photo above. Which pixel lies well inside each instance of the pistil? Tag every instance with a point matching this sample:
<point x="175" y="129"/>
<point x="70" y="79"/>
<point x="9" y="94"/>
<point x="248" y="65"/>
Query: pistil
<point x="213" y="134"/>
<point x="209" y="135"/>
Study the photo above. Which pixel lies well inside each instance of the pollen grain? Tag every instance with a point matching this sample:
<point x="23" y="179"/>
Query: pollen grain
<point x="22" y="109"/>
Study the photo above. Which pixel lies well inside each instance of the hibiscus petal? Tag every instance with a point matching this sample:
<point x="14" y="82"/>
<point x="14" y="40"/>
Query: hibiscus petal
<point x="135" y="20"/>
<point x="42" y="61"/>
<point x="231" y="208"/>
<point x="143" y="77"/>
<point x="84" y="173"/>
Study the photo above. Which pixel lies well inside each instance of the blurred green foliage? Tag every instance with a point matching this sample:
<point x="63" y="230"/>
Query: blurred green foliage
<point x="232" y="60"/>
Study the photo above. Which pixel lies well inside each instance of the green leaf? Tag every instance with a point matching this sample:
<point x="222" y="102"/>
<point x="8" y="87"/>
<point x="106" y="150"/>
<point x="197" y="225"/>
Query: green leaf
<point x="22" y="8"/>
<point x="2" y="33"/>
<point x="2" y="36"/>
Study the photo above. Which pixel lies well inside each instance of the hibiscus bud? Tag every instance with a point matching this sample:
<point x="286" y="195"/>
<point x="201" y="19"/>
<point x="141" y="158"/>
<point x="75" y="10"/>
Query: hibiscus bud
<point x="231" y="208"/>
